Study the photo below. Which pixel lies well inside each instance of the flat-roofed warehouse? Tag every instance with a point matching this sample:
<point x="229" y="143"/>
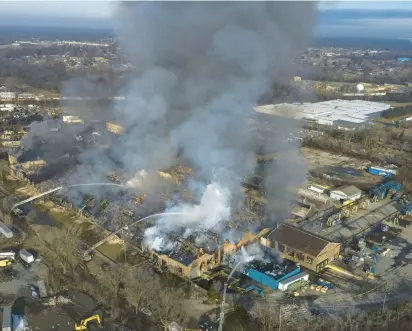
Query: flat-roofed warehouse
<point x="339" y="113"/>
<point x="309" y="250"/>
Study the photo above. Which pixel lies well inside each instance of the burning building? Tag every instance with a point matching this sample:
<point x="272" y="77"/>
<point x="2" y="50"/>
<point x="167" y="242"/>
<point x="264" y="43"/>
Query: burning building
<point x="188" y="260"/>
<point x="115" y="128"/>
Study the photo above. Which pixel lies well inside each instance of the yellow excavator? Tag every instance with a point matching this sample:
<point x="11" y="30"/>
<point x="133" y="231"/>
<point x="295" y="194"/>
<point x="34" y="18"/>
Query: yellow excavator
<point x="90" y="323"/>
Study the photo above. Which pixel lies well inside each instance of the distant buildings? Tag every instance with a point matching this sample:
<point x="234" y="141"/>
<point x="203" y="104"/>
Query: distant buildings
<point x="403" y="59"/>
<point x="339" y="113"/>
<point x="7" y="95"/>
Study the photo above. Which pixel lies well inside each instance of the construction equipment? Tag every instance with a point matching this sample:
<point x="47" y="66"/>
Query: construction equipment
<point x="140" y="199"/>
<point x="90" y="323"/>
<point x="382" y="190"/>
<point x="5" y="263"/>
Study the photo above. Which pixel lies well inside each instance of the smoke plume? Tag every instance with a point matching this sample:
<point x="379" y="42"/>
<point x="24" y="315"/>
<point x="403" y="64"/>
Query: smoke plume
<point x="198" y="69"/>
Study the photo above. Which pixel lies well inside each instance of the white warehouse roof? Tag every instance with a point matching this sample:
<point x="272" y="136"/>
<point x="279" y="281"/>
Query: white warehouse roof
<point x="328" y="112"/>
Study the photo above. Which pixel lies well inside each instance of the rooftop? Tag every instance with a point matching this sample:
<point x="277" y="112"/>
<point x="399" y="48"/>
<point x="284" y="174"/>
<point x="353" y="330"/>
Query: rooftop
<point x="274" y="270"/>
<point x="349" y="190"/>
<point x="299" y="239"/>
<point x="186" y="250"/>
<point x="355" y="111"/>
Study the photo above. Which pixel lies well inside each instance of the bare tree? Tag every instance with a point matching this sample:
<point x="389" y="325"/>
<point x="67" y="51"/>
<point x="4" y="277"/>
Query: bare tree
<point x="113" y="279"/>
<point x="63" y="244"/>
<point x="267" y="314"/>
<point x="140" y="283"/>
<point x="169" y="305"/>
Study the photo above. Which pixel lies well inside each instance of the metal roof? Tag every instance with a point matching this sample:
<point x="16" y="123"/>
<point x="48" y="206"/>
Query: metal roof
<point x="301" y="240"/>
<point x="327" y="112"/>
<point x="349" y="190"/>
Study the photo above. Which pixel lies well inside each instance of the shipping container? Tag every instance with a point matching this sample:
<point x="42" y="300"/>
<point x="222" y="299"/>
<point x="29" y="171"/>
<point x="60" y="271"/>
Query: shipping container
<point x="385" y="172"/>
<point x="5" y="230"/>
<point x="26" y="256"/>
<point x="284" y="284"/>
<point x="6" y="325"/>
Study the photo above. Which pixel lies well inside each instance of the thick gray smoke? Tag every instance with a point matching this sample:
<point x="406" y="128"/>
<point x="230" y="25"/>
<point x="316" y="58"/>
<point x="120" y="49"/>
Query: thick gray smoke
<point x="198" y="70"/>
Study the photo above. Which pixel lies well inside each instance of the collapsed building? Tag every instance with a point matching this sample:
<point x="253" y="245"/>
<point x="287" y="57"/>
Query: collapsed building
<point x="190" y="261"/>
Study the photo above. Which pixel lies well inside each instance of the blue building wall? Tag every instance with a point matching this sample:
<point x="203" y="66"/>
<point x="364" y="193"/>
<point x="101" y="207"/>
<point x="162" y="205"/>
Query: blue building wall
<point x="379" y="172"/>
<point x="266" y="279"/>
<point x="403" y="59"/>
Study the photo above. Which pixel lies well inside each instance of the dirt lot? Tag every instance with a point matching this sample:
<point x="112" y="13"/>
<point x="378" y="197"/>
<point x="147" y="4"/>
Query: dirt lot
<point x="318" y="159"/>
<point x="340" y="169"/>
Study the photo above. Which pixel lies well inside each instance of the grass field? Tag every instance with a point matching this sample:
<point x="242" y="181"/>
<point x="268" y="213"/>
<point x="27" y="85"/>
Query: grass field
<point x="400" y="104"/>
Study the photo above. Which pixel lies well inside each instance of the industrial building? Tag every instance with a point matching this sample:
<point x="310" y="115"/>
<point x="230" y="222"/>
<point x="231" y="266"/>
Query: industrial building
<point x="346" y="193"/>
<point x="309" y="250"/>
<point x="338" y="113"/>
<point x="189" y="261"/>
<point x="271" y="274"/>
<point x="7" y="95"/>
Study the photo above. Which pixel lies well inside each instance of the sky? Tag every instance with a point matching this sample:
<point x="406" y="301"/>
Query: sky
<point x="343" y="18"/>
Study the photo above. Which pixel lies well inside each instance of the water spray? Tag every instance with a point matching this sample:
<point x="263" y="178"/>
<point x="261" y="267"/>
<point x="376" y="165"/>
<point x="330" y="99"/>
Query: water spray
<point x="36" y="197"/>
<point x="60" y="188"/>
<point x="244" y="258"/>
<point x="130" y="224"/>
<point x="96" y="184"/>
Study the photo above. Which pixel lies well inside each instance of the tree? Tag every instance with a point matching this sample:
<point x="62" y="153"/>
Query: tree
<point x="113" y="279"/>
<point x="63" y="244"/>
<point x="139" y="284"/>
<point x="267" y="314"/>
<point x="169" y="305"/>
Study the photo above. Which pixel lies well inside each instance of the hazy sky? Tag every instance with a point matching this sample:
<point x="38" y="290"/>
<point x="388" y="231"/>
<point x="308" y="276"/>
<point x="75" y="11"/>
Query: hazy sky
<point x="75" y="9"/>
<point x="343" y="18"/>
<point x="103" y="9"/>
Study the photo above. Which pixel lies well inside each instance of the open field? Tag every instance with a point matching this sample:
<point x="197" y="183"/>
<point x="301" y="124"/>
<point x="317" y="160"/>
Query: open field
<point x="317" y="158"/>
<point x="400" y="104"/>
<point x="338" y="169"/>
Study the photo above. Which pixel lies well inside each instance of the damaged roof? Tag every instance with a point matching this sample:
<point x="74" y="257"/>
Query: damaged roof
<point x="179" y="254"/>
<point x="301" y="240"/>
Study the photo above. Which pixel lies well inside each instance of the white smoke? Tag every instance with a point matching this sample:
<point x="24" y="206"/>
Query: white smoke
<point x="212" y="208"/>
<point x="137" y="180"/>
<point x="197" y="71"/>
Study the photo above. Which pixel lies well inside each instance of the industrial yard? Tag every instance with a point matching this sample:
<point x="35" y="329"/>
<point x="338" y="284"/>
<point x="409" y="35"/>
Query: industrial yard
<point x="177" y="178"/>
<point x="328" y="242"/>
